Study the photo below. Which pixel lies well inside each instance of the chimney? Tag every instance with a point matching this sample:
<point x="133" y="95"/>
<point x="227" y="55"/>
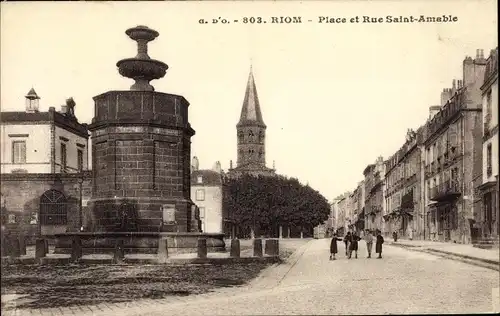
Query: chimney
<point x="453" y="87"/>
<point x="433" y="110"/>
<point x="217" y="168"/>
<point x="230" y="164"/>
<point x="195" y="164"/>
<point x="64" y="109"/>
<point x="445" y="96"/>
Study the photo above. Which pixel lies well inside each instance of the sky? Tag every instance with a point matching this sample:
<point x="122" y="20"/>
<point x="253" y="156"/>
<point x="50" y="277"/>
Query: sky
<point x="334" y="96"/>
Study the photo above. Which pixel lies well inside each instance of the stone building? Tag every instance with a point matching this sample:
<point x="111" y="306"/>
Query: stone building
<point x="342" y="219"/>
<point x="403" y="189"/>
<point x="44" y="168"/>
<point x="43" y="142"/>
<point x="359" y="207"/>
<point x="488" y="220"/>
<point x="206" y="192"/>
<point x="453" y="157"/>
<point x="374" y="194"/>
<point x="251" y="135"/>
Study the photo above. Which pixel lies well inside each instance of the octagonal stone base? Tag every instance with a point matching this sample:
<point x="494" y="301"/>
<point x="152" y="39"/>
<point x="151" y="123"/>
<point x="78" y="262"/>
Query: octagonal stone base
<point x="139" y="242"/>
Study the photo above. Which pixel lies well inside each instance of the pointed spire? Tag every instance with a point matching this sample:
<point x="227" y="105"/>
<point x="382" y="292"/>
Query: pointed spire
<point x="250" y="111"/>
<point x="32" y="94"/>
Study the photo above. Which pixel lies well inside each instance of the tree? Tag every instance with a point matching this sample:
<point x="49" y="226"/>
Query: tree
<point x="262" y="203"/>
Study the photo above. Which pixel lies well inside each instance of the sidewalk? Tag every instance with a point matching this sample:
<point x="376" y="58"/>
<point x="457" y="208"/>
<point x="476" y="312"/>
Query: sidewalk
<point x="465" y="251"/>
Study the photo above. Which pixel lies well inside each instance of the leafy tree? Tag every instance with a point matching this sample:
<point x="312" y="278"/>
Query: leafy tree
<point x="264" y="202"/>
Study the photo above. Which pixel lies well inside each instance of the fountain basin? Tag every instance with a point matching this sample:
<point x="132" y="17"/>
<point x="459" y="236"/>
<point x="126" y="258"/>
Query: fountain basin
<point x="148" y="69"/>
<point x="138" y="242"/>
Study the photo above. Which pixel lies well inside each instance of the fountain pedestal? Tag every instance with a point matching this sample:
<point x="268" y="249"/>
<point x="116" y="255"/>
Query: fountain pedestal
<point x="141" y="143"/>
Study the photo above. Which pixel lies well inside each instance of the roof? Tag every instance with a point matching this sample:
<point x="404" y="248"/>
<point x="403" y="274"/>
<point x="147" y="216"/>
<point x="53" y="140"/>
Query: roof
<point x="250" y="111"/>
<point x="32" y="94"/>
<point x="209" y="178"/>
<point x="59" y="119"/>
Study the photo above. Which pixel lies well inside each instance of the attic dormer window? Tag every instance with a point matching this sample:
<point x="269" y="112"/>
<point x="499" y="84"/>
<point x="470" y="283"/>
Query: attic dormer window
<point x="200" y="179"/>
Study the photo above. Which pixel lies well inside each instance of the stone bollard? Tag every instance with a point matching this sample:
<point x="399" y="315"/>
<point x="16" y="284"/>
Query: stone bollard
<point x="162" y="250"/>
<point x="22" y="244"/>
<point x="46" y="241"/>
<point x="235" y="248"/>
<point x="4" y="246"/>
<point x="272" y="247"/>
<point x="257" y="247"/>
<point x="202" y="248"/>
<point x="15" y="249"/>
<point x="119" y="254"/>
<point x="76" y="249"/>
<point x="40" y="248"/>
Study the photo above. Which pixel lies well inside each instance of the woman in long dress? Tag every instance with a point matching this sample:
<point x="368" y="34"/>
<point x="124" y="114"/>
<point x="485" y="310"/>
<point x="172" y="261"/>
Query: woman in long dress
<point x="333" y="246"/>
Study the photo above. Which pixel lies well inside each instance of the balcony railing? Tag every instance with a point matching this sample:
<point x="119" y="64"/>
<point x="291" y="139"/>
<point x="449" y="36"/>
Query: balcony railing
<point x="448" y="190"/>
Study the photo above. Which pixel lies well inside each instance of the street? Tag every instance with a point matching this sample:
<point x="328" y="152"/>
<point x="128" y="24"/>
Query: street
<point x="402" y="282"/>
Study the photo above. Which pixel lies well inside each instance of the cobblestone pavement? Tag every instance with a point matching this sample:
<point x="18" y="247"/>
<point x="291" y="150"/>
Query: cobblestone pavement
<point x="402" y="282"/>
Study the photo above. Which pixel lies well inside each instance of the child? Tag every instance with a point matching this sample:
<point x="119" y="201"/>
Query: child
<point x="333" y="246"/>
<point x="378" y="245"/>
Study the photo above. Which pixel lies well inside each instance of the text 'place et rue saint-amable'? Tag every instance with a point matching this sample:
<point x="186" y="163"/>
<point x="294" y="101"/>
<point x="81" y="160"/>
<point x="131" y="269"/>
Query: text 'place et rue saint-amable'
<point x="358" y="19"/>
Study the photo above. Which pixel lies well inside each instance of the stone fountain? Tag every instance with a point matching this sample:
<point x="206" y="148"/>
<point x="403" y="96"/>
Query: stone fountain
<point x="141" y="143"/>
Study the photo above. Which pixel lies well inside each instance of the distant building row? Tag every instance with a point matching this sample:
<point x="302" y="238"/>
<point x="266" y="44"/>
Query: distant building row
<point x="442" y="184"/>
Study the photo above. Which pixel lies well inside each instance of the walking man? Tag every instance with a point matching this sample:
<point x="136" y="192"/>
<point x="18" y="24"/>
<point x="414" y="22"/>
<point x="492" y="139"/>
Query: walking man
<point x="369" y="242"/>
<point x="347" y="242"/>
<point x="354" y="245"/>
<point x="378" y="244"/>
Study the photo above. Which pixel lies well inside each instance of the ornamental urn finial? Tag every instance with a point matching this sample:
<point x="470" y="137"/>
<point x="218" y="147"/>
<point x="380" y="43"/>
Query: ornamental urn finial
<point x="142" y="68"/>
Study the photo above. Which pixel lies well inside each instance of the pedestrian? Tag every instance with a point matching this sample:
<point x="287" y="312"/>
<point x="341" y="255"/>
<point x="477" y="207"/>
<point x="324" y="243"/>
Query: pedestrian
<point x="369" y="242"/>
<point x="354" y="245"/>
<point x="347" y="242"/>
<point x="333" y="246"/>
<point x="395" y="236"/>
<point x="378" y="244"/>
<point x="410" y="233"/>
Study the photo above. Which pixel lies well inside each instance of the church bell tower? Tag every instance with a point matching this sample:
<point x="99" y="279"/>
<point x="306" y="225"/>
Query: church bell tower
<point x="251" y="130"/>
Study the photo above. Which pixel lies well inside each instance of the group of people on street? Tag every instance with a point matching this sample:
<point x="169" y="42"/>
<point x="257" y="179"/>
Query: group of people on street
<point x="351" y="244"/>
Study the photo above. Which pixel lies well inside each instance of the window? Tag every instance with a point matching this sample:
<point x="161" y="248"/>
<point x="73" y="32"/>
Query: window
<point x="53" y="208"/>
<point x="488" y="160"/>
<point x="80" y="160"/>
<point x="200" y="179"/>
<point x="488" y="107"/>
<point x="63" y="157"/>
<point x="200" y="195"/>
<point x="19" y="152"/>
<point x="12" y="219"/>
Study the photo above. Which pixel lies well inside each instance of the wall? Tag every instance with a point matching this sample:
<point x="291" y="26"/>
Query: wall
<point x="22" y="192"/>
<point x="71" y="150"/>
<point x="212" y="221"/>
<point x="493" y="128"/>
<point x="37" y="147"/>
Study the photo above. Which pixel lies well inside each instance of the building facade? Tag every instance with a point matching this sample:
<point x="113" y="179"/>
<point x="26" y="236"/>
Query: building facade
<point x="404" y="196"/>
<point x="453" y="157"/>
<point x="45" y="179"/>
<point x="43" y="142"/>
<point x="206" y="193"/>
<point x="251" y="136"/>
<point x="489" y="217"/>
<point x="374" y="194"/>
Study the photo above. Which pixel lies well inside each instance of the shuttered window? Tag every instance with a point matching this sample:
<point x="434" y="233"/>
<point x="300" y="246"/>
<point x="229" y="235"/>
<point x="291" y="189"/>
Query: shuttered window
<point x="19" y="152"/>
